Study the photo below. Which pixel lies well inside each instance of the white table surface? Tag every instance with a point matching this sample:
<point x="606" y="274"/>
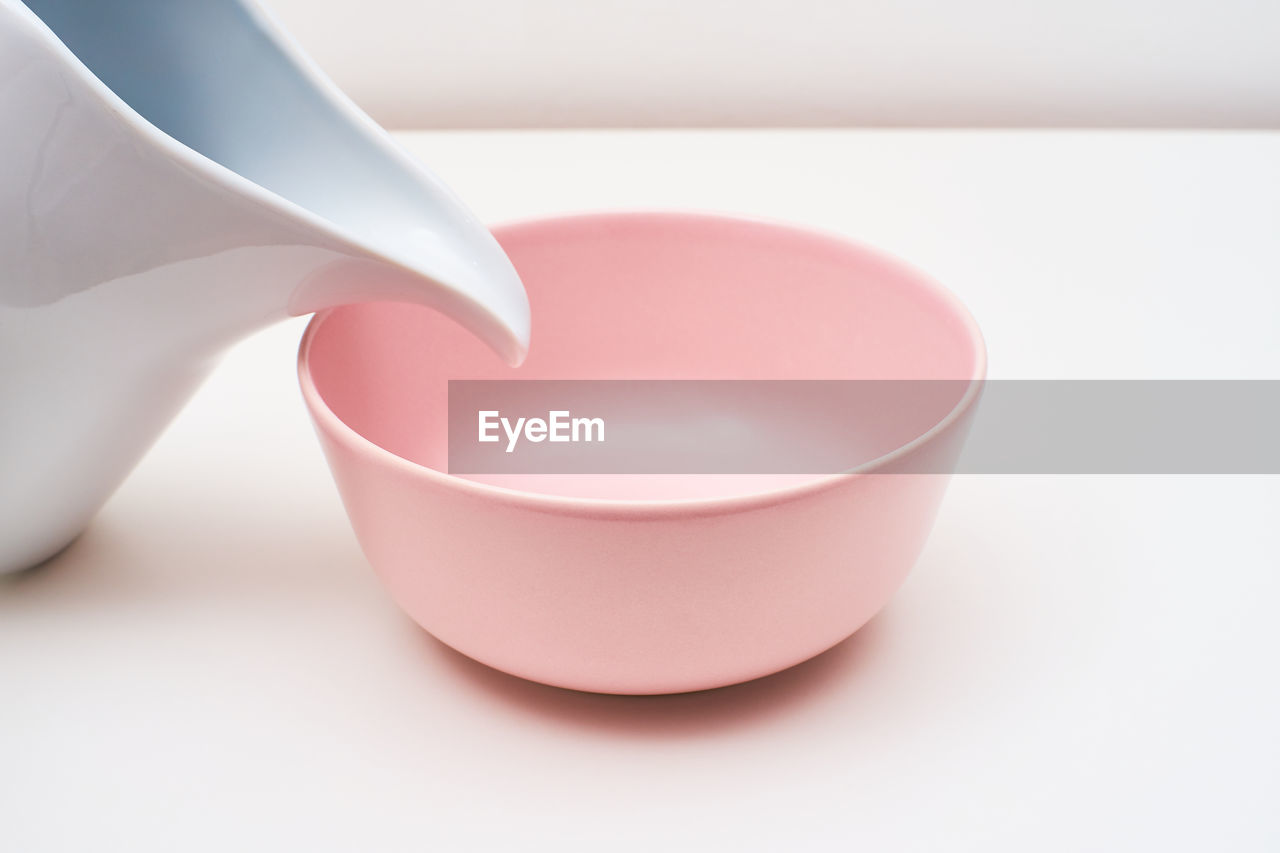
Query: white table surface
<point x="1084" y="663"/>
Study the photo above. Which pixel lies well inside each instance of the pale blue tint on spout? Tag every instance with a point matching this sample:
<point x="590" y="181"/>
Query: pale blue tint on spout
<point x="211" y="74"/>
<point x="173" y="176"/>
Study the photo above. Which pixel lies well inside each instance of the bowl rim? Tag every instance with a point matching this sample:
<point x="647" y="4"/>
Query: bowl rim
<point x="329" y="423"/>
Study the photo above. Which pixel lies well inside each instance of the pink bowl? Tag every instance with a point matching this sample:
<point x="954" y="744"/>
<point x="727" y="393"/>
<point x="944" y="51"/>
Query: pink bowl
<point x="620" y="591"/>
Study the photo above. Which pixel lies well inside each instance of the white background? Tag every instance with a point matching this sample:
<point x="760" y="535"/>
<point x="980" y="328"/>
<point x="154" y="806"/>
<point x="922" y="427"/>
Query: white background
<point x="1076" y="664"/>
<point x="531" y="63"/>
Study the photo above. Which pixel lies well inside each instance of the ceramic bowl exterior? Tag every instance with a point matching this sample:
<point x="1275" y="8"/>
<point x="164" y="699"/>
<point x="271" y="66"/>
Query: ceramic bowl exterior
<point x="652" y="595"/>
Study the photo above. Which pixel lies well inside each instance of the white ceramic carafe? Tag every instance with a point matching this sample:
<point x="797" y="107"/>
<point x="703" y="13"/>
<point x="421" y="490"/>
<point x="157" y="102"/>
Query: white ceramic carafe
<point x="174" y="175"/>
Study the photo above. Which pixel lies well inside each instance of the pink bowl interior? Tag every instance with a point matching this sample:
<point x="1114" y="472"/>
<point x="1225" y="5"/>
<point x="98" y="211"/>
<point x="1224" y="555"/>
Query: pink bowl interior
<point x="648" y="296"/>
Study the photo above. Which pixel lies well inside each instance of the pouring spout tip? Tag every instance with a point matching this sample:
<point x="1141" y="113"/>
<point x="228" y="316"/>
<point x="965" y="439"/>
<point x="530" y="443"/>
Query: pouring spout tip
<point x="503" y="325"/>
<point x="514" y="352"/>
